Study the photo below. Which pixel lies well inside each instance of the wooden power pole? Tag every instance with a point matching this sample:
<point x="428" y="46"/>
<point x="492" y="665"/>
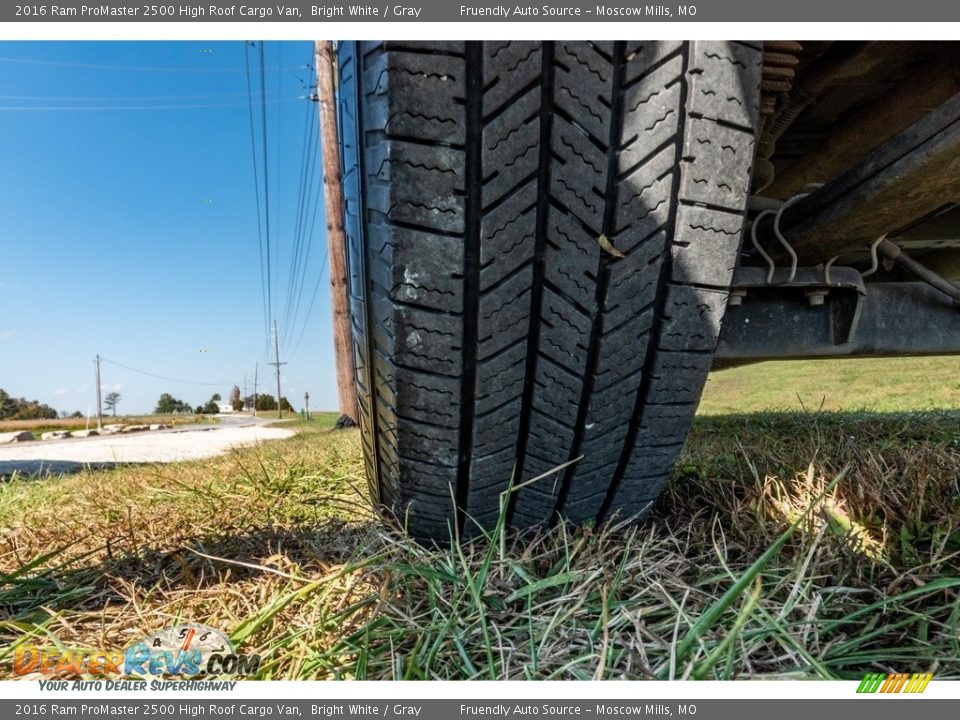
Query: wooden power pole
<point x="276" y="345"/>
<point x="336" y="244"/>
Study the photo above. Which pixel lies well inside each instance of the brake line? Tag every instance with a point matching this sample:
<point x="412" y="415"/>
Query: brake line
<point x="892" y="252"/>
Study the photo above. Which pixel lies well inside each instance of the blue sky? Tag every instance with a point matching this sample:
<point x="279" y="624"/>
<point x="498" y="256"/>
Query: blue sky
<point x="132" y="231"/>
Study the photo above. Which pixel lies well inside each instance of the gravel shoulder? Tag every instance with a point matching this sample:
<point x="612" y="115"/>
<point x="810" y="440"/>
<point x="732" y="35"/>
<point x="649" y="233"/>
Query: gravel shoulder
<point x="145" y="447"/>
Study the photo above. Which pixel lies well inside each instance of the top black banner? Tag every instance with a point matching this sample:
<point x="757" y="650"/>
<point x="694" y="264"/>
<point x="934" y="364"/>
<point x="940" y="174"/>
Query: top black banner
<point x="738" y="11"/>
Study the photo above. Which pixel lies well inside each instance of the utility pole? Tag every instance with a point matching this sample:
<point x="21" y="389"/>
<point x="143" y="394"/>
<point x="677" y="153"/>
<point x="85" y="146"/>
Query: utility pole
<point x="277" y="364"/>
<point x="336" y="243"/>
<point x="306" y="404"/>
<point x="99" y="405"/>
<point x="256" y="371"/>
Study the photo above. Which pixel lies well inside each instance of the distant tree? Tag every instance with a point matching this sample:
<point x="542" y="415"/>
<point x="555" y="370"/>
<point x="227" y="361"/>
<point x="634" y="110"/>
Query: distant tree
<point x="198" y="409"/>
<point x="167" y="405"/>
<point x="235" y="402"/>
<point x="76" y="414"/>
<point x="8" y="406"/>
<point x="285" y="405"/>
<point x="111" y="401"/>
<point x="266" y="402"/>
<point x="33" y="410"/>
<point x="213" y="405"/>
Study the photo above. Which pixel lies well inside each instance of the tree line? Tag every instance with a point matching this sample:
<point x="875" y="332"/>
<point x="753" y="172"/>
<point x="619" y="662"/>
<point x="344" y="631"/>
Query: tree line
<point x="12" y="408"/>
<point x="169" y="405"/>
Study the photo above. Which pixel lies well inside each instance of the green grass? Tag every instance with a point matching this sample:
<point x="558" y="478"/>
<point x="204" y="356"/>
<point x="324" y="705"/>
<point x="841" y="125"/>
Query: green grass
<point x="804" y="544"/>
<point x="321" y="419"/>
<point x="322" y="416"/>
<point x="877" y="384"/>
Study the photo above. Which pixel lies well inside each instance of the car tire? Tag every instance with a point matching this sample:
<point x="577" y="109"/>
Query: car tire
<point x="541" y="239"/>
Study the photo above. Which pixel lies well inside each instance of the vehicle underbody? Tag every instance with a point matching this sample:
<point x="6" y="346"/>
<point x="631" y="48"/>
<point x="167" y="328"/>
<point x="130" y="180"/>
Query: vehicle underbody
<point x="853" y="227"/>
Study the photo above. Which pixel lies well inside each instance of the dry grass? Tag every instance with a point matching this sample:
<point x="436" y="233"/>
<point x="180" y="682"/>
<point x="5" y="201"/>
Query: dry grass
<point x="790" y="545"/>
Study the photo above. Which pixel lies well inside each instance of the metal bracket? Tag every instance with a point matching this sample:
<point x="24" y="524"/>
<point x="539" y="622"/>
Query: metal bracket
<point x="812" y="308"/>
<point x="895" y="318"/>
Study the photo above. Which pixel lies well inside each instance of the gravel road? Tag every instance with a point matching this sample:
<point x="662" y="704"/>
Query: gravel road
<point x="184" y="443"/>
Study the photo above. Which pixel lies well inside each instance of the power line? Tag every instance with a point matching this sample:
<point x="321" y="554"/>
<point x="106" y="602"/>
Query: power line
<point x="301" y="260"/>
<point x="278" y="235"/>
<point x="306" y="322"/>
<point x="308" y="230"/>
<point x="155" y="375"/>
<point x="308" y="223"/>
<point x="309" y="246"/>
<point x="118" y="98"/>
<point x="304" y="197"/>
<point x="112" y="108"/>
<point x="266" y="173"/>
<point x="256" y="188"/>
<point x="129" y="68"/>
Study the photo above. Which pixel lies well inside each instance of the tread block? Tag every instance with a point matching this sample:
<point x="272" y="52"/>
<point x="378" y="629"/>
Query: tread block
<point x="722" y="82"/>
<point x="692" y="318"/>
<point x="642" y="58"/>
<point x="428" y="342"/>
<point x="511" y="146"/>
<point x="583" y="86"/>
<point x="678" y="376"/>
<point x="508" y="68"/>
<point x="716" y="165"/>
<point x="706" y="246"/>
<point x="636" y="497"/>
<point x="507" y="237"/>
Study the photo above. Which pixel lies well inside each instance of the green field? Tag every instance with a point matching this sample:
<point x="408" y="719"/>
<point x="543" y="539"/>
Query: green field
<point x="792" y="542"/>
<point x="875" y="384"/>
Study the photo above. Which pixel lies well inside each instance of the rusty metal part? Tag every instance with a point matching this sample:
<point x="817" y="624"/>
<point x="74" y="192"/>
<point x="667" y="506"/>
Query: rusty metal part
<point x="780" y="60"/>
<point x="924" y="88"/>
<point x="845" y="60"/>
<point x="911" y="176"/>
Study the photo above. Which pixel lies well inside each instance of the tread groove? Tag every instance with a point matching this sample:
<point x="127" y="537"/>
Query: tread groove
<point x="471" y="272"/>
<point x="536" y="302"/>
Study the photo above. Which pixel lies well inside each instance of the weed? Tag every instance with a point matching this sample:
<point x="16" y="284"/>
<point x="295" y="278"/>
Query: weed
<point x="787" y="545"/>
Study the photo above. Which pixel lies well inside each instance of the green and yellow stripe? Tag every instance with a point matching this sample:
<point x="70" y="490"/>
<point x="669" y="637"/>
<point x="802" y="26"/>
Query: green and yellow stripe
<point x="894" y="683"/>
